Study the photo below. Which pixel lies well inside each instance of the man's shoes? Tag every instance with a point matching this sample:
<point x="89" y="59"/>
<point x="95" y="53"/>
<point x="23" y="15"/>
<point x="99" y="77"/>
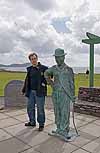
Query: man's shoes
<point x="41" y="128"/>
<point x="30" y="124"/>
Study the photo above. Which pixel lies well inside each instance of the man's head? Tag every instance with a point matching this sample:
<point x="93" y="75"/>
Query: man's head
<point x="59" y="56"/>
<point x="33" y="57"/>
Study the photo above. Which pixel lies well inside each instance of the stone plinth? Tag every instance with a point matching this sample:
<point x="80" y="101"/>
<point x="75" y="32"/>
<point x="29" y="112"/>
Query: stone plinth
<point x="89" y="94"/>
<point x="13" y="96"/>
<point x="88" y="101"/>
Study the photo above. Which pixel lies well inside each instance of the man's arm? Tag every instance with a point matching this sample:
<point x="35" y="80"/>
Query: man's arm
<point x="25" y="83"/>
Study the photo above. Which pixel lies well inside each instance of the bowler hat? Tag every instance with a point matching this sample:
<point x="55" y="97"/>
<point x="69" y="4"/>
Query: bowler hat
<point x="59" y="52"/>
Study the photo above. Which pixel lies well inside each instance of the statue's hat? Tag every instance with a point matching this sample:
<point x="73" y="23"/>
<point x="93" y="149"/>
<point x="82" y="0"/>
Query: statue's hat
<point x="59" y="52"/>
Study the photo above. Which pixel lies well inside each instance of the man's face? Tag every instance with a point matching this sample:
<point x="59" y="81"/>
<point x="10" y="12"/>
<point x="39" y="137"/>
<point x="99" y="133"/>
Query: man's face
<point x="34" y="60"/>
<point x="59" y="60"/>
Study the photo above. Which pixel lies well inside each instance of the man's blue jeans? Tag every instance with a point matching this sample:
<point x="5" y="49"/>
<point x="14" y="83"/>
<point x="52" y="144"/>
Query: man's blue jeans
<point x="40" y="101"/>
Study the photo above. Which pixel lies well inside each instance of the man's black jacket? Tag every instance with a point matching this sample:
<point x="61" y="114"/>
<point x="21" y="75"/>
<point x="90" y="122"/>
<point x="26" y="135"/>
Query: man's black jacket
<point x="41" y="85"/>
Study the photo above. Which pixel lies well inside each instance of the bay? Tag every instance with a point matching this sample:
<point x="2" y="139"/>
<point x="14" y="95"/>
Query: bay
<point x="76" y="69"/>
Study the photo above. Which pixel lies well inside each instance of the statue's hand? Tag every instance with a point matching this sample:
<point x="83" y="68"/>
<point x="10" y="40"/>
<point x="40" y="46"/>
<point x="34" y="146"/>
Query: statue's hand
<point x="50" y="81"/>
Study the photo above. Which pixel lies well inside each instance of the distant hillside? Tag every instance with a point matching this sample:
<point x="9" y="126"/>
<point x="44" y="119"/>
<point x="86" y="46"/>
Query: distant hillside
<point x="15" y="65"/>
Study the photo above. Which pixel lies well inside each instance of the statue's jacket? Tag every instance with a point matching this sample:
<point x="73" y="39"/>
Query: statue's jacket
<point x="63" y="80"/>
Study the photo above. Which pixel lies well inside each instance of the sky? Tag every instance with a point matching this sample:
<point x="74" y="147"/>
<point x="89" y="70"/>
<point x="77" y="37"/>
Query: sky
<point x="41" y="26"/>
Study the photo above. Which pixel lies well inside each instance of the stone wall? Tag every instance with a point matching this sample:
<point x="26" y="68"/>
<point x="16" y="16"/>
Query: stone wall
<point x="13" y="96"/>
<point x="89" y="94"/>
<point x="86" y="107"/>
<point x="88" y="101"/>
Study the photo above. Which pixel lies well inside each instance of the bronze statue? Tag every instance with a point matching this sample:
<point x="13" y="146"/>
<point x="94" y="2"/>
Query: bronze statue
<point x="61" y="78"/>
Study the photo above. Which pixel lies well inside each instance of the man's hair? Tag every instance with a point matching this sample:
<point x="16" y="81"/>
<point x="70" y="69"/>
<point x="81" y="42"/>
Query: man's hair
<point x="32" y="54"/>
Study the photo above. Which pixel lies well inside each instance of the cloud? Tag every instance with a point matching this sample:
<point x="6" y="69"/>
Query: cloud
<point x="42" y="5"/>
<point x="42" y="26"/>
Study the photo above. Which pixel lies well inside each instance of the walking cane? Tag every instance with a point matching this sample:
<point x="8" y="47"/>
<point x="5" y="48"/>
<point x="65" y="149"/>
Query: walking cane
<point x="73" y="117"/>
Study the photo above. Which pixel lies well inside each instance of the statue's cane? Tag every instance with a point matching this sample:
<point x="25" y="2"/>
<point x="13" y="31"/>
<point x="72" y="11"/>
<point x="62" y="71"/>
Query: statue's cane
<point x="74" y="120"/>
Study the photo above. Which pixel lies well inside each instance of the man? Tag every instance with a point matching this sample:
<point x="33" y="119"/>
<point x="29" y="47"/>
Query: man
<point x="35" y="88"/>
<point x="63" y="92"/>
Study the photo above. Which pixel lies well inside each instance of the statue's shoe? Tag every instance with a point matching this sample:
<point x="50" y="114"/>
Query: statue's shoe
<point x="67" y="137"/>
<point x="57" y="131"/>
<point x="54" y="133"/>
<point x="61" y="133"/>
<point x="62" y="137"/>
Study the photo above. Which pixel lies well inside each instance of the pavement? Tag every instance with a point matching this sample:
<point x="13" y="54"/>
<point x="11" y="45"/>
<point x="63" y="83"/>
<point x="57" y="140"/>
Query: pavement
<point x="16" y="138"/>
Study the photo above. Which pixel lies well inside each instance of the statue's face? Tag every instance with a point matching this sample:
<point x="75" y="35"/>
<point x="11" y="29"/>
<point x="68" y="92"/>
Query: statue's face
<point x="59" y="60"/>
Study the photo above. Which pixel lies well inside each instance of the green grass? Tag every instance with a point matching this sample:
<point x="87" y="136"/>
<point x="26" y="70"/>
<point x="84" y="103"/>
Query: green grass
<point x="5" y="77"/>
<point x="80" y="80"/>
<point x="83" y="80"/>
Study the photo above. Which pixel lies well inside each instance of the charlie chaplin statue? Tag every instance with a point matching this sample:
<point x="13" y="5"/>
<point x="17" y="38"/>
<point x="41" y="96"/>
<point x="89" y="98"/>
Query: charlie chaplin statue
<point x="61" y="79"/>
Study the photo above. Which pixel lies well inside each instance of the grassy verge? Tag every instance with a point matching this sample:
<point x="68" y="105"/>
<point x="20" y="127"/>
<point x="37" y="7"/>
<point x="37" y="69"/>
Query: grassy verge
<point x="80" y="80"/>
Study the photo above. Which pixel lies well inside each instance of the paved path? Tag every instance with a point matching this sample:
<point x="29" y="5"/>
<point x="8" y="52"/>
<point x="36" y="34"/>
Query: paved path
<point x="16" y="138"/>
<point x="1" y="102"/>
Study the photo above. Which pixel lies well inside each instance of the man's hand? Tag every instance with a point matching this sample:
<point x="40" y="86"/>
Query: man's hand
<point x="50" y="80"/>
<point x="22" y="93"/>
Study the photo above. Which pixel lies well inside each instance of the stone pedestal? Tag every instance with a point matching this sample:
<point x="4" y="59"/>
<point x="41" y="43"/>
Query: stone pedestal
<point x="88" y="101"/>
<point x="13" y="96"/>
<point x="89" y="94"/>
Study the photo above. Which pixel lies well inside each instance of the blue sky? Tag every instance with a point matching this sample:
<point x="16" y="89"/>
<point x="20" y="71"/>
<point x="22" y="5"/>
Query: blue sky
<point x="41" y="26"/>
<point x="60" y="24"/>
